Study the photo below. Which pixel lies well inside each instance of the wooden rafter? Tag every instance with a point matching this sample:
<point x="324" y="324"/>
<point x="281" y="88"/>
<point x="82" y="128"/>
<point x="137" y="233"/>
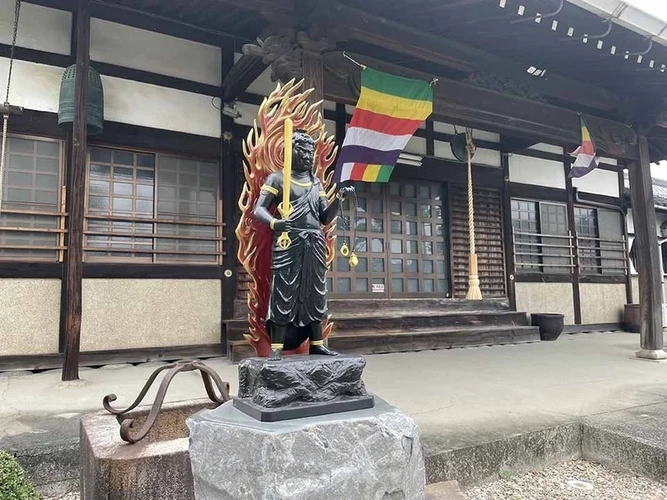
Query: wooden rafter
<point x="407" y="40"/>
<point x="475" y="106"/>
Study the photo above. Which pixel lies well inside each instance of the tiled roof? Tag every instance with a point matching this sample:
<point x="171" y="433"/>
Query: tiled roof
<point x="659" y="191"/>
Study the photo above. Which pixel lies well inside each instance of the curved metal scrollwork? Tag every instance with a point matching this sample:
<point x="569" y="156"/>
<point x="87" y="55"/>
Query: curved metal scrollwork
<point x="209" y="377"/>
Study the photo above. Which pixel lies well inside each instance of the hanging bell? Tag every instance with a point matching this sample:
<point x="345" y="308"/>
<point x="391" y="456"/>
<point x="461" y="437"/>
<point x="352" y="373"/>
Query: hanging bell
<point x="95" y="107"/>
<point x="344" y="250"/>
<point x="354" y="260"/>
<point x="459" y="145"/>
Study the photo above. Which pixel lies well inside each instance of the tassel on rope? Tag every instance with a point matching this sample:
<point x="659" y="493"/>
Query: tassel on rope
<point x="474" y="292"/>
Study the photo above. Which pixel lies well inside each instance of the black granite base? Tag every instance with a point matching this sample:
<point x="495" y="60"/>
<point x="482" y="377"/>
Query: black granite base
<point x="301" y="386"/>
<point x="303" y="410"/>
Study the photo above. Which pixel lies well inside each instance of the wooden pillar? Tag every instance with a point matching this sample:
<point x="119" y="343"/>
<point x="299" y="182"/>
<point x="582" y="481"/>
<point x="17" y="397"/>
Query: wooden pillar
<point x="648" y="258"/>
<point x="508" y="237"/>
<point x="313" y="68"/>
<point x="229" y="181"/>
<point x="576" y="272"/>
<point x="77" y="174"/>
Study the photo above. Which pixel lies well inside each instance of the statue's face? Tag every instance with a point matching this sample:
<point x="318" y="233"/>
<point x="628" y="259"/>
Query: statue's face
<point x="303" y="152"/>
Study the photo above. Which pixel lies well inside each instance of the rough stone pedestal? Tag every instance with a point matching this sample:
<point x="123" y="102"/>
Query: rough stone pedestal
<point x="358" y="455"/>
<point x="301" y="386"/>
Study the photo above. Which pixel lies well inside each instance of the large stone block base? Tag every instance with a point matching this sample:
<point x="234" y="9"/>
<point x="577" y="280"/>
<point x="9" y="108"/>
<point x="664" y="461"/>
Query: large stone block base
<point x="366" y="455"/>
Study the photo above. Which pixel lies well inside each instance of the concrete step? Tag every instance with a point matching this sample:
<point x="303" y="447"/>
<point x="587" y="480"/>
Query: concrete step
<point x="382" y="342"/>
<point x="401" y="320"/>
<point x="366" y="306"/>
<point x="446" y="490"/>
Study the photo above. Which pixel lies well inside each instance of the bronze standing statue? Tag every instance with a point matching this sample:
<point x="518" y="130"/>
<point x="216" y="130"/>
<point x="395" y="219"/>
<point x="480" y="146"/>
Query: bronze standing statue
<point x="287" y="231"/>
<point x="298" y="303"/>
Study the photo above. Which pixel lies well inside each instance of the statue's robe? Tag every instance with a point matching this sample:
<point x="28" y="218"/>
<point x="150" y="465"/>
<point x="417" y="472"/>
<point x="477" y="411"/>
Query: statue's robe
<point x="298" y="287"/>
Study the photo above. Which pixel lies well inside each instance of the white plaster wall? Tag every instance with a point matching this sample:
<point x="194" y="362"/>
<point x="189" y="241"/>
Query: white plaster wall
<point x="154" y="52"/>
<point x="147" y="105"/>
<point x="263" y="84"/>
<point x="136" y="313"/>
<point x="248" y="113"/>
<point x="598" y="181"/>
<point x="536" y="171"/>
<point x="547" y="148"/>
<point x="40" y="28"/>
<point x="29" y="316"/>
<point x="330" y="126"/>
<point x="416" y="145"/>
<point x="608" y="161"/>
<point x="34" y="86"/>
<point x="546" y="298"/>
<point x="602" y="303"/>
<point x="630" y="222"/>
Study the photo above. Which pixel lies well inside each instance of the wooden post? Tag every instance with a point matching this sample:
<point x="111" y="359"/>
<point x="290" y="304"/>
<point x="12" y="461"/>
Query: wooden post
<point x="571" y="222"/>
<point x="229" y="181"/>
<point x="76" y="196"/>
<point x="508" y="234"/>
<point x="313" y="67"/>
<point x="648" y="258"/>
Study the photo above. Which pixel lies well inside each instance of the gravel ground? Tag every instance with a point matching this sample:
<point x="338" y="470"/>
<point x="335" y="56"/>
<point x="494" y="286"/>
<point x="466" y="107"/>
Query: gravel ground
<point x="571" y="481"/>
<point x="67" y="496"/>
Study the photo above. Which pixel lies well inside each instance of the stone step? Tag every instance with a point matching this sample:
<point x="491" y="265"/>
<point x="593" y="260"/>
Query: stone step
<point x="403" y="320"/>
<point x="351" y="306"/>
<point x="380" y="342"/>
<point x="446" y="490"/>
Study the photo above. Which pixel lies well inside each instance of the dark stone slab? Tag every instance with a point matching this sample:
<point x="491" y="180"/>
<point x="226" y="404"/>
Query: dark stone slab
<point x="304" y="410"/>
<point x="300" y="379"/>
<point x="301" y="386"/>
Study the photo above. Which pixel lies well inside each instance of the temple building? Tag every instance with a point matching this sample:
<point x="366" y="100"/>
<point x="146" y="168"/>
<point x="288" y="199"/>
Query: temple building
<point x="117" y="234"/>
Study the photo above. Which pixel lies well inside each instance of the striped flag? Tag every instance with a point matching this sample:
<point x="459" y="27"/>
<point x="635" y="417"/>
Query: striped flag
<point x="389" y="111"/>
<point x="586" y="159"/>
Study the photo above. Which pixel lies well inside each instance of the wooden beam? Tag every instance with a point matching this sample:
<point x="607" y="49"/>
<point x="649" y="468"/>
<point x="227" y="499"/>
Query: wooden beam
<point x="228" y="189"/>
<point x="74" y="273"/>
<point x="313" y="68"/>
<point x="473" y="106"/>
<point x="648" y="258"/>
<point x="414" y="42"/>
<point x="245" y="71"/>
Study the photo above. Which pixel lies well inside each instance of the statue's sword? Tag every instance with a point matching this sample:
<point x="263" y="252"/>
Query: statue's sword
<point x="285" y="208"/>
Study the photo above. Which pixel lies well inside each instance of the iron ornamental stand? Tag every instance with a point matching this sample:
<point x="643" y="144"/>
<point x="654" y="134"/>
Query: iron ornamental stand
<point x="207" y="373"/>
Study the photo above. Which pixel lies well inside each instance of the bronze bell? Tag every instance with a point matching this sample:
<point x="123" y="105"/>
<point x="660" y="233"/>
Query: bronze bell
<point x="459" y="150"/>
<point x="95" y="107"/>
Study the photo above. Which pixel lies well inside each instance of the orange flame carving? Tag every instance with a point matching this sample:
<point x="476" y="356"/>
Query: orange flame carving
<point x="264" y="152"/>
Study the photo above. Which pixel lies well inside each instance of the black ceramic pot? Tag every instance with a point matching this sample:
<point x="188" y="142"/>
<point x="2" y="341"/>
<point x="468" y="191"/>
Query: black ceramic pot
<point x="551" y="325"/>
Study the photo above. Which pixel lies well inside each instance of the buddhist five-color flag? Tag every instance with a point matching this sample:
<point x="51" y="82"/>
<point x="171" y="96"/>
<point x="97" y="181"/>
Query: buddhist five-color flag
<point x="389" y="111"/>
<point x="586" y="159"/>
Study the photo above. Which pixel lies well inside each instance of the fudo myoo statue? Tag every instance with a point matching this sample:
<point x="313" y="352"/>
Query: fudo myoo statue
<point x="286" y="253"/>
<point x="298" y="289"/>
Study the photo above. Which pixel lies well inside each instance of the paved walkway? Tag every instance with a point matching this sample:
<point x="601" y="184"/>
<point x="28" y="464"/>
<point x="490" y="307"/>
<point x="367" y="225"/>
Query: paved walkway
<point x="459" y="397"/>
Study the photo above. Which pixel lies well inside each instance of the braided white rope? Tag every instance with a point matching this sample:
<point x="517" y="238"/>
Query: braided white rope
<point x="471" y="205"/>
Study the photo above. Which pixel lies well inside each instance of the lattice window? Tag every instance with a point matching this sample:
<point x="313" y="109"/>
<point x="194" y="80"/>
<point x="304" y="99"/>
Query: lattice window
<point x="152" y="208"/>
<point x="32" y="212"/>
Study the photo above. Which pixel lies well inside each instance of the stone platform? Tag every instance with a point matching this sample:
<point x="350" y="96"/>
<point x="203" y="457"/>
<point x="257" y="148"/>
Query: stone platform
<point x="367" y="454"/>
<point x="301" y="386"/>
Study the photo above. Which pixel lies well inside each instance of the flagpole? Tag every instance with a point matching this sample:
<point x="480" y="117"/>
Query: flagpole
<point x="474" y="292"/>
